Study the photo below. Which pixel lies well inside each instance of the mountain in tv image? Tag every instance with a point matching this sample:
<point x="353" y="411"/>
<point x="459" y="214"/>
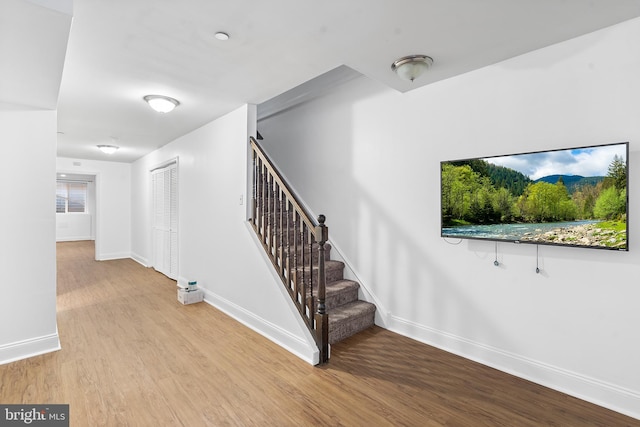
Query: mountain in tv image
<point x="511" y="198"/>
<point x="572" y="182"/>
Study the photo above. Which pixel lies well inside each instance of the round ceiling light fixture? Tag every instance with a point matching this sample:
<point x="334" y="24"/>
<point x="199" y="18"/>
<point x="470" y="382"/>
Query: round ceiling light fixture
<point x="222" y="36"/>
<point x="161" y="103"/>
<point x="108" y="149"/>
<point x="411" y="67"/>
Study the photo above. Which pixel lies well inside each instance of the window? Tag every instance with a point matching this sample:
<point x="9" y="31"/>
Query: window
<point x="71" y="197"/>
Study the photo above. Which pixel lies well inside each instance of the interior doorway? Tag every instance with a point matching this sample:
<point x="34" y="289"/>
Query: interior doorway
<point x="77" y="207"/>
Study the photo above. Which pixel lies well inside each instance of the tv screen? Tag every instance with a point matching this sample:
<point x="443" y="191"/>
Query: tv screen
<point x="569" y="197"/>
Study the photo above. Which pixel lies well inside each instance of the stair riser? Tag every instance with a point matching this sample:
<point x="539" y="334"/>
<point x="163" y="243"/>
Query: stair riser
<point x="280" y="222"/>
<point x="338" y="293"/>
<point x="333" y="272"/>
<point x="315" y="254"/>
<point x="342" y="330"/>
<point x="274" y="211"/>
<point x="298" y="258"/>
<point x="338" y="299"/>
<point x="291" y="239"/>
<point x="274" y="216"/>
<point x="283" y="224"/>
<point x="297" y="248"/>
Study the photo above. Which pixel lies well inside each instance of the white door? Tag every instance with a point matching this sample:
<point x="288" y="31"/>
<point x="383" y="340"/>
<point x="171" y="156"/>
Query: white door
<point x="165" y="220"/>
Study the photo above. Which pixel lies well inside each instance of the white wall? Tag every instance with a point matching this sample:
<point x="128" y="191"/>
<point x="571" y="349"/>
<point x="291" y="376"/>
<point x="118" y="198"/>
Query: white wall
<point x="73" y="226"/>
<point x="27" y="246"/>
<point x="216" y="247"/>
<point x="369" y="158"/>
<point x="113" y="203"/>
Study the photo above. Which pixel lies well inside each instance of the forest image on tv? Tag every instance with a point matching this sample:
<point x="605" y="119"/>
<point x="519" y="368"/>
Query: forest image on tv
<point x="574" y="197"/>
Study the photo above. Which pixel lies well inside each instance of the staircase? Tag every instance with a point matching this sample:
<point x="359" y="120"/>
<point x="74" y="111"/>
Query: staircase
<point x="347" y="314"/>
<point x="297" y="246"/>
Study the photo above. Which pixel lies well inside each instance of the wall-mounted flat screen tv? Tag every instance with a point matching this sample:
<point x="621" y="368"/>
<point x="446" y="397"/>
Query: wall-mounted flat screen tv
<point x="570" y="197"/>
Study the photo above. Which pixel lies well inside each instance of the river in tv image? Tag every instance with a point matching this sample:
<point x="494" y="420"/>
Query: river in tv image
<point x="510" y="232"/>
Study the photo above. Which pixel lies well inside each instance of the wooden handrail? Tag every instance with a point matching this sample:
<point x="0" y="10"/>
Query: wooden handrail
<point x="294" y="242"/>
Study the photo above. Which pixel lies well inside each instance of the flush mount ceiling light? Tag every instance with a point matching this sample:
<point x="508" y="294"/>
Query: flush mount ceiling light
<point x="108" y="149"/>
<point x="221" y="36"/>
<point x="411" y="67"/>
<point x="161" y="103"/>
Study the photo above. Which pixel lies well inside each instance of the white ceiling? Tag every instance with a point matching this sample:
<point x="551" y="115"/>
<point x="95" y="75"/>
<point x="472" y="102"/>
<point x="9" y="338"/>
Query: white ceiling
<point x="33" y="42"/>
<point x="121" y="50"/>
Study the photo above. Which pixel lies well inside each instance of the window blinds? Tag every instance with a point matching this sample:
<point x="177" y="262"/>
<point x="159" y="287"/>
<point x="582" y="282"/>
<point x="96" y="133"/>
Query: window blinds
<point x="71" y="197"/>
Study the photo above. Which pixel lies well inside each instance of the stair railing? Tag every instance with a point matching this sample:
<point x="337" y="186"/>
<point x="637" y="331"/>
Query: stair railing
<point x="294" y="242"/>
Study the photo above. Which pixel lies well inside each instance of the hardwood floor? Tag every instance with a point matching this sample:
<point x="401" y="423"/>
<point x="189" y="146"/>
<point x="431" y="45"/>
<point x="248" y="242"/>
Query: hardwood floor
<point x="133" y="356"/>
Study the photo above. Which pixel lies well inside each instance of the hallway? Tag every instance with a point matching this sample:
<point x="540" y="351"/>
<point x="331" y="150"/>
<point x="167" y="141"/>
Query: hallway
<point x="133" y="356"/>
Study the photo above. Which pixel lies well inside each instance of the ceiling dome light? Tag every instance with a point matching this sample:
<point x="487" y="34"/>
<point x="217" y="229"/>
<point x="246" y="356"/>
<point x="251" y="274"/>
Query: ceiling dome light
<point x="411" y="67"/>
<point x="161" y="103"/>
<point x="221" y="36"/>
<point x="108" y="149"/>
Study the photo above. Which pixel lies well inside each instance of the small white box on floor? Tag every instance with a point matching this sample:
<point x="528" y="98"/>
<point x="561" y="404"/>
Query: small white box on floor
<point x="190" y="297"/>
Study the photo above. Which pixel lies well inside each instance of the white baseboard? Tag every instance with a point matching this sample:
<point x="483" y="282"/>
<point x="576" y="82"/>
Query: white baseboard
<point x="29" y="348"/>
<point x="140" y="260"/>
<point x="115" y="255"/>
<point x="603" y="394"/>
<point x="291" y="343"/>
<point x="74" y="239"/>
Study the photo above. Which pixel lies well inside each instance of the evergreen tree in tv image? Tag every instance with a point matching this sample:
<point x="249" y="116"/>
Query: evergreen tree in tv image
<point x="508" y="199"/>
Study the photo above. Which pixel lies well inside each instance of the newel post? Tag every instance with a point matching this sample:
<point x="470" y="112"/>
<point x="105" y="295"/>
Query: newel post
<point x="322" y="319"/>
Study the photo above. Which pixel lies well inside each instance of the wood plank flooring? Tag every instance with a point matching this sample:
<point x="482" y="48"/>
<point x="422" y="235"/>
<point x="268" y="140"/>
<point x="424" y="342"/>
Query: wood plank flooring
<point x="133" y="356"/>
